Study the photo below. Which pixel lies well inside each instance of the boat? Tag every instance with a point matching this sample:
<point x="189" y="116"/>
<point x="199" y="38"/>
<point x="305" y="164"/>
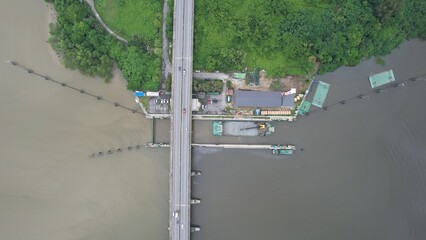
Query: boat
<point x="288" y="149"/>
<point x="242" y="128"/>
<point x="195" y="173"/>
<point x="195" y="200"/>
<point x="195" y="228"/>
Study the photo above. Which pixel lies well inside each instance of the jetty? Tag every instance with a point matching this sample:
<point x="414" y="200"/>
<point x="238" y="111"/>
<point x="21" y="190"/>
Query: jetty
<point x="225" y="146"/>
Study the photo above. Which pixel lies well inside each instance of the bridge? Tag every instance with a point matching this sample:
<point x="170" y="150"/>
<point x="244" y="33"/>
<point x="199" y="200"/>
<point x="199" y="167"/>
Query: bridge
<point x="180" y="148"/>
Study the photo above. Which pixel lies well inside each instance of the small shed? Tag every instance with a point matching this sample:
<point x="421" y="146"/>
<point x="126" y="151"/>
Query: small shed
<point x="195" y="106"/>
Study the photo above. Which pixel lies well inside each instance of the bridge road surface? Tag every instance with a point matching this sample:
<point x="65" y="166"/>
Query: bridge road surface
<point x="180" y="151"/>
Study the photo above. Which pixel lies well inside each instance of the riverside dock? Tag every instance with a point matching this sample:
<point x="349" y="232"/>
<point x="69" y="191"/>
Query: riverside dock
<point x="225" y="146"/>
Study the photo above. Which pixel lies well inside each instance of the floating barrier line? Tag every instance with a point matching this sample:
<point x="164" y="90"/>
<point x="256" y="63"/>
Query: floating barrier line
<point x="116" y="150"/>
<point x="82" y="91"/>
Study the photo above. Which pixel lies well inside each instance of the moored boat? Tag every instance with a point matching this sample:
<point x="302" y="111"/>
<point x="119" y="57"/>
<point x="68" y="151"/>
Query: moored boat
<point x="288" y="149"/>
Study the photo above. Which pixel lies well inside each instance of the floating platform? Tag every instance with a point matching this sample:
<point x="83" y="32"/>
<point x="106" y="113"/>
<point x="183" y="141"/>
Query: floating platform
<point x="304" y="107"/>
<point x="320" y="94"/>
<point x="381" y="79"/>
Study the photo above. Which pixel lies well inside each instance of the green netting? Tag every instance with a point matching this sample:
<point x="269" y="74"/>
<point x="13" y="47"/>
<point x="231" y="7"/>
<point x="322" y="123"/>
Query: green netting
<point x="382" y="78"/>
<point x="217" y="128"/>
<point x="320" y="94"/>
<point x="304" y="107"/>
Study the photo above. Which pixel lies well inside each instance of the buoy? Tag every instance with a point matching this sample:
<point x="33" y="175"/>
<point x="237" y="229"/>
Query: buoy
<point x="138" y="146"/>
<point x="116" y="104"/>
<point x="110" y="151"/>
<point x="100" y="153"/>
<point x="82" y="91"/>
<point x="342" y="102"/>
<point x="119" y="150"/>
<point x="325" y="108"/>
<point x="99" y="97"/>
<point x="63" y="84"/>
<point x="129" y="148"/>
<point x="91" y="155"/>
<point x="46" y="78"/>
<point x="29" y="71"/>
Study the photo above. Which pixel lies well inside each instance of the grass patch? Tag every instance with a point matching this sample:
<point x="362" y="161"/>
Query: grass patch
<point x="130" y="18"/>
<point x="145" y="102"/>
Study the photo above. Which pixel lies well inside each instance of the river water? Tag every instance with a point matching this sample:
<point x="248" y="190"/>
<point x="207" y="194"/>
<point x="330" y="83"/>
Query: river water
<point x="49" y="187"/>
<point x="362" y="174"/>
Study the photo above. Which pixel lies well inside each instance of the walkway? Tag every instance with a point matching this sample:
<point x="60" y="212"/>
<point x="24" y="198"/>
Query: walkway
<point x="92" y="6"/>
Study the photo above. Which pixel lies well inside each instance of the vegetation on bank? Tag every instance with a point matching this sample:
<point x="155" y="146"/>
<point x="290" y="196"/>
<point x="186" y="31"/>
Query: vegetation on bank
<point x="207" y="85"/>
<point x="86" y="46"/>
<point x="288" y="37"/>
<point x="169" y="21"/>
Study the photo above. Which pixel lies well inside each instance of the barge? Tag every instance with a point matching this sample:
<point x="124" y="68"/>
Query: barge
<point x="242" y="128"/>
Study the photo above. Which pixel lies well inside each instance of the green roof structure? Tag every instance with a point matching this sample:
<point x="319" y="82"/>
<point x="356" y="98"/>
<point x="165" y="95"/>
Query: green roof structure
<point x="320" y="94"/>
<point x="382" y="78"/>
<point x="304" y="108"/>
<point x="239" y="75"/>
<point x="217" y="128"/>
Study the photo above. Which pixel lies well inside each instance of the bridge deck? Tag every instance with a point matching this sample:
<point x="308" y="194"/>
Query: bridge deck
<point x="180" y="151"/>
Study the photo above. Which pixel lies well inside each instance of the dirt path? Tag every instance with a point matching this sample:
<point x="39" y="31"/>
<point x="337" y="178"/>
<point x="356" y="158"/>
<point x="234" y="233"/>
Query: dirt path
<point x="166" y="65"/>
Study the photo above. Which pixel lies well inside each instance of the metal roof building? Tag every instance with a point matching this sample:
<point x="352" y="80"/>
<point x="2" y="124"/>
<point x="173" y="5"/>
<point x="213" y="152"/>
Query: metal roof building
<point x="257" y="98"/>
<point x="288" y="101"/>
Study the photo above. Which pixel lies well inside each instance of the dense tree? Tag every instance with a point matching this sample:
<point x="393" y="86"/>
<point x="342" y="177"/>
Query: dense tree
<point x="385" y="10"/>
<point x="86" y="46"/>
<point x="207" y="86"/>
<point x="283" y="37"/>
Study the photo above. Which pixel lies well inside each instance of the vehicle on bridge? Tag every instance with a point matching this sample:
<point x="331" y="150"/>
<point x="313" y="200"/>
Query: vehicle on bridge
<point x="176" y="214"/>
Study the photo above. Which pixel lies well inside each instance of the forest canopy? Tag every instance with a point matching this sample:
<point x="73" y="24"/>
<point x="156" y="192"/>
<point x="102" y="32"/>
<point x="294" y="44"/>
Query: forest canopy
<point x="287" y="37"/>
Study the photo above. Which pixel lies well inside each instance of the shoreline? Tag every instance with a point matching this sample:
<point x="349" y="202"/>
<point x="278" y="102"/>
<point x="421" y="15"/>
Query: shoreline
<point x="51" y="18"/>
